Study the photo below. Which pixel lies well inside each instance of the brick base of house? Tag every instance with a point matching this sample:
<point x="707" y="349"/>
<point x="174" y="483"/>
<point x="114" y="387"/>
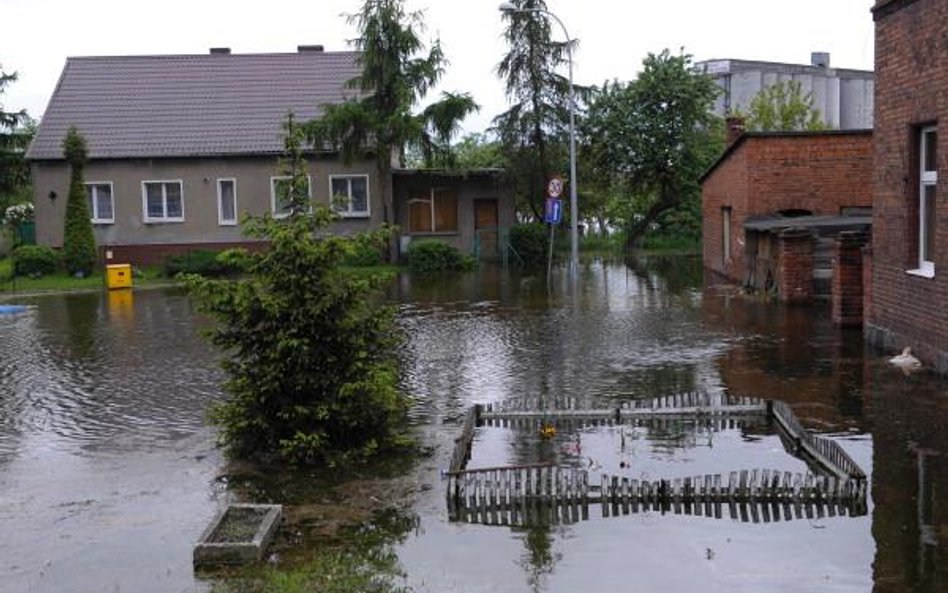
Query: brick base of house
<point x="155" y="255"/>
<point x="889" y="341"/>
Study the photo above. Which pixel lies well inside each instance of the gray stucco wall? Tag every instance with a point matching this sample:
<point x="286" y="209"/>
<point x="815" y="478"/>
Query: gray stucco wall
<point x="199" y="190"/>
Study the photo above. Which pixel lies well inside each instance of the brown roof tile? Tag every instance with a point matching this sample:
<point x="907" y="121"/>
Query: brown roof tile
<point x="189" y="105"/>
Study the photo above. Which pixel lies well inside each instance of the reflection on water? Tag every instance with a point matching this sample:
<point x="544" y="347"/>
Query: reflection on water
<point x="107" y="468"/>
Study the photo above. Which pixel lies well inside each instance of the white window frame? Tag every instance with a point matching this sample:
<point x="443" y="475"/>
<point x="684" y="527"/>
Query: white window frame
<point x="220" y="202"/>
<point x="273" y="197"/>
<point x="94" y="215"/>
<point x="164" y="198"/>
<point x="926" y="267"/>
<point x="348" y="212"/>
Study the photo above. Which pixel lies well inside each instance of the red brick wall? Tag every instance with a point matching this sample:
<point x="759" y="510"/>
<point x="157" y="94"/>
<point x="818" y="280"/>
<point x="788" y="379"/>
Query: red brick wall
<point x="911" y="90"/>
<point x="767" y="173"/>
<point x="848" y="294"/>
<point x="795" y="270"/>
<point x="151" y="255"/>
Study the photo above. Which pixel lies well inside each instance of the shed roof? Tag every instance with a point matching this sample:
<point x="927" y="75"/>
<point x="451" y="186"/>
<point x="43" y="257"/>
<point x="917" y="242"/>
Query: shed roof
<point x="814" y="222"/>
<point x="189" y="105"/>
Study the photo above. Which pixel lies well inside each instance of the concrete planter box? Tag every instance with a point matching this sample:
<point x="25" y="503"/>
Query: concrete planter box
<point x="238" y="535"/>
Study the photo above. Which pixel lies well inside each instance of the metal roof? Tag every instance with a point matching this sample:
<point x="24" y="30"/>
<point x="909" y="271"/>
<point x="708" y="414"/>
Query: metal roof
<point x="189" y="105"/>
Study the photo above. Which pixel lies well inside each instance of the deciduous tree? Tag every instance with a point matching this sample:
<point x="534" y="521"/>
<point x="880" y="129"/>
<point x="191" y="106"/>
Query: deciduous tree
<point x="783" y="106"/>
<point x="654" y="137"/>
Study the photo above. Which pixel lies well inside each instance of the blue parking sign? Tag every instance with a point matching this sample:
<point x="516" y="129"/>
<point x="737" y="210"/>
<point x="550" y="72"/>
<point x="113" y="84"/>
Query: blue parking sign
<point x="554" y="211"/>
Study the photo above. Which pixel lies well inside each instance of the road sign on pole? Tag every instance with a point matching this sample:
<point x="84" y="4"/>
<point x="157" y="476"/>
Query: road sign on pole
<point x="555" y="187"/>
<point x="553" y="214"/>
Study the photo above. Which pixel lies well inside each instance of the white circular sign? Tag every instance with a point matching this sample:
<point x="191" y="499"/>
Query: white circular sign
<point x="555" y="187"/>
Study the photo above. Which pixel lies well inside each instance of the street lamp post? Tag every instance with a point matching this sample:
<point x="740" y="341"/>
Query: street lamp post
<point x="573" y="203"/>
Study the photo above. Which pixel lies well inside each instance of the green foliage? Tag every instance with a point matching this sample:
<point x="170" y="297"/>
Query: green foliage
<point x="206" y="263"/>
<point x="364" y="251"/>
<point x="35" y="260"/>
<point x="79" y="255"/>
<point x="432" y="256"/>
<point x="534" y="131"/>
<point x="783" y="106"/>
<point x="651" y="139"/>
<point x="311" y="369"/>
<point x="396" y="75"/>
<point x="531" y="241"/>
<point x="479" y="151"/>
<point x="16" y="131"/>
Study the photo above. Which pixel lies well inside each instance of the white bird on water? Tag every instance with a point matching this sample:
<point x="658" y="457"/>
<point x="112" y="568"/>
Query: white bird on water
<point x="906" y="361"/>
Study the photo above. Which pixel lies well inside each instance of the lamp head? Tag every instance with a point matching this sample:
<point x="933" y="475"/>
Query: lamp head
<point x="507" y="7"/>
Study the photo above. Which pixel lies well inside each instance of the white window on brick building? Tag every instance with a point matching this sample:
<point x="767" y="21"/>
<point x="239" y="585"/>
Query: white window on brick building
<point x="927" y="183"/>
<point x="101" y="204"/>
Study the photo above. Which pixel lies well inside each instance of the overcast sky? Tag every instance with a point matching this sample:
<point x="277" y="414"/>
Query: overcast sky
<point x="37" y="36"/>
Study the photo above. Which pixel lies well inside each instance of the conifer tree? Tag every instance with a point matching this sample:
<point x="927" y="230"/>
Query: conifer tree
<point x="79" y="254"/>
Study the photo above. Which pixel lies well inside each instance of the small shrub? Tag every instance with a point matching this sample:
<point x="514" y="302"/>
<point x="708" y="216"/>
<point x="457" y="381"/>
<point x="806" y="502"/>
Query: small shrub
<point x="212" y="264"/>
<point x="35" y="260"/>
<point x="430" y="256"/>
<point x="363" y="253"/>
<point x="531" y="242"/>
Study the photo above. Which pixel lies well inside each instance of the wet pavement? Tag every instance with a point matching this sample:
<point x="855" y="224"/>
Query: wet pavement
<point x="108" y="472"/>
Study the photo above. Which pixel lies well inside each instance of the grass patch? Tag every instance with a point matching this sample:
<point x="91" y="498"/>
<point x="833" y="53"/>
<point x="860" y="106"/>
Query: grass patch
<point x="62" y="282"/>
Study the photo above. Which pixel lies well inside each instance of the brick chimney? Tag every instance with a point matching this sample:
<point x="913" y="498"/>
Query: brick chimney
<point x="735" y="128"/>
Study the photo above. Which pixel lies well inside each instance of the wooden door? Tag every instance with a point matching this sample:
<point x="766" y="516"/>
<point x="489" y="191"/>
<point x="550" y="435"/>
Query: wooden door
<point x="485" y="227"/>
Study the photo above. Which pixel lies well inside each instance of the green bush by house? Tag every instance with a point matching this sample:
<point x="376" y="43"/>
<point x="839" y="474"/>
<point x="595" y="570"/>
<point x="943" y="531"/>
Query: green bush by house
<point x="531" y="242"/>
<point x="212" y="264"/>
<point x="35" y="260"/>
<point x="430" y="256"/>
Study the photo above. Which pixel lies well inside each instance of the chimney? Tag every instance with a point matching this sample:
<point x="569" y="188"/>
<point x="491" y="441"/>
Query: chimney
<point x="735" y="128"/>
<point x="820" y="59"/>
<point x="220" y="51"/>
<point x="309" y="48"/>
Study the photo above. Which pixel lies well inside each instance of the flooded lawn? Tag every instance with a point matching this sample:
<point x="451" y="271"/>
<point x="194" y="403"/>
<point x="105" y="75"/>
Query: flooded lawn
<point x="108" y="473"/>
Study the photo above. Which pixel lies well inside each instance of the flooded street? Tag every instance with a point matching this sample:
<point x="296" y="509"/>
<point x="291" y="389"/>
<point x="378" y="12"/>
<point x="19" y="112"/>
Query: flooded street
<point x="108" y="473"/>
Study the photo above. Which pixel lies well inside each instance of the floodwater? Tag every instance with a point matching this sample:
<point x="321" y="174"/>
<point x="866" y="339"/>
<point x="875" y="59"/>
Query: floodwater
<point x="108" y="473"/>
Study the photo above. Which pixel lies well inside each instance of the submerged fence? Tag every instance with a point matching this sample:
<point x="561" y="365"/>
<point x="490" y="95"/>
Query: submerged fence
<point x="521" y="494"/>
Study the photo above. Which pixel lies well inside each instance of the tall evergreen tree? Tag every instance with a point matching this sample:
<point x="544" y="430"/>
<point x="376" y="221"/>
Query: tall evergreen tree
<point x="534" y="131"/>
<point x="396" y="75"/>
<point x="15" y="134"/>
<point x="312" y="374"/>
<point x="78" y="239"/>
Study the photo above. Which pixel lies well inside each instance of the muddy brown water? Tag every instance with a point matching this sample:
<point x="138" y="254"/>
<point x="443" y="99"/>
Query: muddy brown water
<point x="108" y="473"/>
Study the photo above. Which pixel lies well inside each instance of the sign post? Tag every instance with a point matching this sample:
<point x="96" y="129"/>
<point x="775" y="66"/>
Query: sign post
<point x="553" y="215"/>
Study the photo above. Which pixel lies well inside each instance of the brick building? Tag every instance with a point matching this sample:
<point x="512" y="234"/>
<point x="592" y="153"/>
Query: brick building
<point x="785" y="193"/>
<point x="909" y="265"/>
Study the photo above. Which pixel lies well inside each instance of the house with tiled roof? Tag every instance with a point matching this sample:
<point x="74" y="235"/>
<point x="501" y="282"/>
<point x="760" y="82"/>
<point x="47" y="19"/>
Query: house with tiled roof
<point x="182" y="146"/>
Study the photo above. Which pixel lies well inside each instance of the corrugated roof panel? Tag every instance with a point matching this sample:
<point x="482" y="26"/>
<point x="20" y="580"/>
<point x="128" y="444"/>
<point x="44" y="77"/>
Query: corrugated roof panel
<point x="193" y="105"/>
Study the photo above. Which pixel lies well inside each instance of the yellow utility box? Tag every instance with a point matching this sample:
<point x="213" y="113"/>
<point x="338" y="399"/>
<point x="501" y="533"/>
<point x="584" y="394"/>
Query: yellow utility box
<point x="118" y="276"/>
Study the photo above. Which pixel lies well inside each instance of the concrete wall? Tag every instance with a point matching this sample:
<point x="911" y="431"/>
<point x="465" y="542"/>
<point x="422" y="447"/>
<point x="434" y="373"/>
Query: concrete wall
<point x="911" y="91"/>
<point x="468" y="189"/>
<point x="844" y="97"/>
<point x="199" y="177"/>
<point x="765" y="174"/>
